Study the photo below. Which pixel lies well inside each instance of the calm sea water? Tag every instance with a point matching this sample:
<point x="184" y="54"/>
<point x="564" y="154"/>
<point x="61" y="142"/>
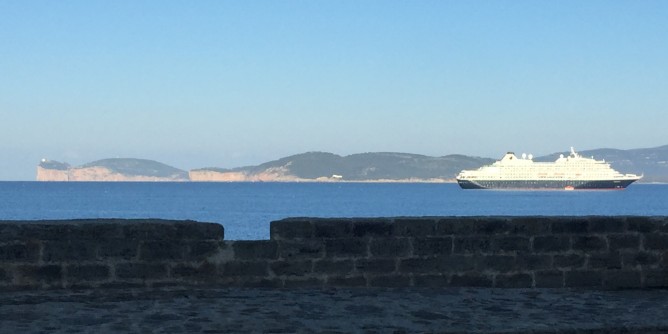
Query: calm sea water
<point x="245" y="209"/>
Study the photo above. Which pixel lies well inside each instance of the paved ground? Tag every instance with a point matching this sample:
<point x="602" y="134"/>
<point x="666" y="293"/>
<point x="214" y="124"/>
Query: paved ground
<point x="464" y="310"/>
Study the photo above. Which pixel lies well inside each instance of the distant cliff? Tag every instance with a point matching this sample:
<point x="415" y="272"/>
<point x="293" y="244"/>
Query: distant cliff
<point x="128" y="170"/>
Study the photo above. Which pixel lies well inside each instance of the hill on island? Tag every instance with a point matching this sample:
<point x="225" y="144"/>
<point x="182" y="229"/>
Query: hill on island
<point x="119" y="169"/>
<point x="383" y="166"/>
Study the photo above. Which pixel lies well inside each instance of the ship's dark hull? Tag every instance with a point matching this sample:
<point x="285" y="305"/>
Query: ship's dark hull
<point x="544" y="184"/>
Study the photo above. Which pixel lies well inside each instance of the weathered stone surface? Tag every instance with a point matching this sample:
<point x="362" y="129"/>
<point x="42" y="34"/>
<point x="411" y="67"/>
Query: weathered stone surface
<point x="414" y="227"/>
<point x="549" y="279"/>
<point x="162" y="250"/>
<point x="601" y="224"/>
<point x="570" y="261"/>
<point x="533" y="262"/>
<point x="372" y="228"/>
<point x="301" y="249"/>
<point x="582" y="278"/>
<point x="431" y="280"/>
<point x="623" y="241"/>
<point x="351" y="247"/>
<point x="333" y="228"/>
<point x="432" y="246"/>
<point x="604" y="261"/>
<point x="633" y="260"/>
<point x="641" y="224"/>
<point x="621" y="279"/>
<point x="35" y="274"/>
<point x="347" y="281"/>
<point x="551" y="244"/>
<point x="375" y="265"/>
<point x="510" y="244"/>
<point x="245" y="268"/>
<point x="143" y="271"/>
<point x="256" y="249"/>
<point x="471" y="280"/>
<point x="656" y="241"/>
<point x="202" y="272"/>
<point x="87" y="272"/>
<point x="126" y="249"/>
<point x="70" y="250"/>
<point x="291" y="228"/>
<point x="498" y="263"/>
<point x="571" y="225"/>
<point x="390" y="281"/>
<point x="335" y="267"/>
<point x="389" y="247"/>
<point x="291" y="268"/>
<point x="479" y="244"/>
<point x="589" y="243"/>
<point x="27" y="252"/>
<point x="656" y="278"/>
<point x="521" y="280"/>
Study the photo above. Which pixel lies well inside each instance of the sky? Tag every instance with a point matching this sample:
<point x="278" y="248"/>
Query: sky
<point x="233" y="83"/>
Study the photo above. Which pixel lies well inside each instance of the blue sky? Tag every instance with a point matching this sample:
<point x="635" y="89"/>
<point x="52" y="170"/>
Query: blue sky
<point x="232" y="83"/>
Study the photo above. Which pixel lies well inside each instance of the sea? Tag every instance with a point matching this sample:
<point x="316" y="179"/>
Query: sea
<point x="246" y="209"/>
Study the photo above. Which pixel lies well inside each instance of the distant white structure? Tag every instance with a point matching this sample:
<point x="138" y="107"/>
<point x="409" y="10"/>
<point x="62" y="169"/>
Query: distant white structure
<point x="337" y="177"/>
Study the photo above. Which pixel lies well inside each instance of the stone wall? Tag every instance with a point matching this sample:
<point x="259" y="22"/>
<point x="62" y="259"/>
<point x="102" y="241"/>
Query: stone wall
<point x="504" y="252"/>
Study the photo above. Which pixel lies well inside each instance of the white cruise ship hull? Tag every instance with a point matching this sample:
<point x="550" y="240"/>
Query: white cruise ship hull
<point x="545" y="184"/>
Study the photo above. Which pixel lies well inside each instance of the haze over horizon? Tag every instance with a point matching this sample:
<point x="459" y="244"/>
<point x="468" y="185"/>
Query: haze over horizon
<point x="229" y="84"/>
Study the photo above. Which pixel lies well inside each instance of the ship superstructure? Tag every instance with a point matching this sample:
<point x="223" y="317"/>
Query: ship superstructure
<point x="567" y="172"/>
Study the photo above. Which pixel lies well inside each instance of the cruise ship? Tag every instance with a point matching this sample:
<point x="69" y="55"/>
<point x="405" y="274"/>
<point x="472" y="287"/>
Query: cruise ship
<point x="568" y="173"/>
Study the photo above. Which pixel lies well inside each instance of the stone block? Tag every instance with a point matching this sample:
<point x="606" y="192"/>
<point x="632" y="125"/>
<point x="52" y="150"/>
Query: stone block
<point x="150" y="230"/>
<point x="455" y="226"/>
<point x="569" y="225"/>
<point x="310" y="282"/>
<point x="414" y="227"/>
<point x="549" y="279"/>
<point x="191" y="230"/>
<point x="656" y="241"/>
<point x="301" y="249"/>
<point x="471" y="280"/>
<point x="431" y="265"/>
<point x="621" y="279"/>
<point x="348" y="247"/>
<point x="456" y="263"/>
<point x="126" y="249"/>
<point x="291" y="268"/>
<point x="492" y="225"/>
<point x="375" y="266"/>
<point x="510" y="243"/>
<point x="604" y="261"/>
<point x="96" y="231"/>
<point x="607" y="224"/>
<point x="497" y="263"/>
<point x="291" y="228"/>
<point x="533" y="262"/>
<point x="255" y="249"/>
<point x="45" y="230"/>
<point x="10" y="231"/>
<point x="519" y="280"/>
<point x="143" y="271"/>
<point x="36" y="274"/>
<point x="258" y="282"/>
<point x="5" y="276"/>
<point x="372" y="227"/>
<point x="470" y="245"/>
<point x="245" y="268"/>
<point x="632" y="260"/>
<point x="346" y="281"/>
<point x="551" y="244"/>
<point x="333" y="267"/>
<point x="641" y="224"/>
<point x="431" y="281"/>
<point x="623" y="241"/>
<point x="201" y="250"/>
<point x="333" y="228"/>
<point x="569" y="261"/>
<point x="432" y="246"/>
<point x="589" y="243"/>
<point x="162" y="250"/>
<point x="583" y="278"/>
<point x="205" y="272"/>
<point x="656" y="278"/>
<point x="528" y="226"/>
<point x="68" y="251"/>
<point x="389" y="247"/>
<point x="390" y="281"/>
<point x="87" y="272"/>
<point x="24" y="252"/>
